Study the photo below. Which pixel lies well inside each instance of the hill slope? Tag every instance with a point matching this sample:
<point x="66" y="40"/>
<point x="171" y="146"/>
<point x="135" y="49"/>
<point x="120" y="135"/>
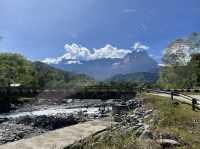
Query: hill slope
<point x="14" y="68"/>
<point x="144" y="77"/>
<point x="52" y="77"/>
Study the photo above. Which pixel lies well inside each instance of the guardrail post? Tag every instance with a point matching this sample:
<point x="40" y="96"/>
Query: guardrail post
<point x="194" y="102"/>
<point x="172" y="95"/>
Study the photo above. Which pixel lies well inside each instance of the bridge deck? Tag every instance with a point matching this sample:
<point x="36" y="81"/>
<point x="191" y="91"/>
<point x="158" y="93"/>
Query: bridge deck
<point x="60" y="138"/>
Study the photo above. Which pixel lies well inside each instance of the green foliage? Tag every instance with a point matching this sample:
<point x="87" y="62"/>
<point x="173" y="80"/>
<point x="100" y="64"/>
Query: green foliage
<point x="14" y="68"/>
<point x="194" y="66"/>
<point x="187" y="76"/>
<point x="175" y="77"/>
<point x="117" y="84"/>
<point x="140" y="77"/>
<point x="50" y="77"/>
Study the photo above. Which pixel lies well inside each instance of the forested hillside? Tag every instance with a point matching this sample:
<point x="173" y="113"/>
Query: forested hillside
<point x="14" y="68"/>
<point x="140" y="77"/>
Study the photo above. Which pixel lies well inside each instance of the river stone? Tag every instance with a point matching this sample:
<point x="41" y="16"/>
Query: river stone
<point x="3" y="120"/>
<point x="10" y="132"/>
<point x="168" y="142"/>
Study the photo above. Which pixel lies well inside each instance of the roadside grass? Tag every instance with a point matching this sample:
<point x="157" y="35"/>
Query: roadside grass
<point x="190" y="93"/>
<point x="115" y="139"/>
<point x="175" y="120"/>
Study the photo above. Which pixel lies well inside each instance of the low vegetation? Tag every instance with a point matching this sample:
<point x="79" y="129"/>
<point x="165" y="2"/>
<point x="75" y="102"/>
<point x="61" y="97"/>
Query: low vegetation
<point x="175" y="120"/>
<point x="139" y="77"/>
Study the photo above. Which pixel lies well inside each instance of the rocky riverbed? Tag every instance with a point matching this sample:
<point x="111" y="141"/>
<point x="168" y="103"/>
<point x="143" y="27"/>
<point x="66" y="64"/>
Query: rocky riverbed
<point x="32" y="120"/>
<point x="12" y="129"/>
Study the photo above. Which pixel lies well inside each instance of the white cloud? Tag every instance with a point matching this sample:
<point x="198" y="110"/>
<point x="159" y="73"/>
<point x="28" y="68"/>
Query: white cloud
<point x="74" y="62"/>
<point x="75" y="53"/>
<point x="109" y="52"/>
<point x="155" y="56"/>
<point x="51" y="60"/>
<point x="115" y="64"/>
<point x="138" y="46"/>
<point x="163" y="65"/>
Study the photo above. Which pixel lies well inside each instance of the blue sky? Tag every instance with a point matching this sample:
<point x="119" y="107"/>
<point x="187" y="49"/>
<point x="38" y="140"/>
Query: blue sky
<point x="41" y="28"/>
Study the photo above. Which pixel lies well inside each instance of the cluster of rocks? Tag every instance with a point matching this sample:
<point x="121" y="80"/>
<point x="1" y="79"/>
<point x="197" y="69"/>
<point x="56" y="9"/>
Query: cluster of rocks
<point x="10" y="131"/>
<point x="28" y="126"/>
<point x="135" y="122"/>
<point x="3" y="120"/>
<point x="48" y="122"/>
<point x="121" y="109"/>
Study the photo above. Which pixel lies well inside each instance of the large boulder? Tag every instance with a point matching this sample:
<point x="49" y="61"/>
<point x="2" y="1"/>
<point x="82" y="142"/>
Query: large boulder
<point x="167" y="142"/>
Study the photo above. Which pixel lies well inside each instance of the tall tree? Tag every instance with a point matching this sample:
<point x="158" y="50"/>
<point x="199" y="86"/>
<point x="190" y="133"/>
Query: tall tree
<point x="194" y="66"/>
<point x="14" y="68"/>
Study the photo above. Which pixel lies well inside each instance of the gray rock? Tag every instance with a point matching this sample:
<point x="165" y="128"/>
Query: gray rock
<point x="168" y="142"/>
<point x="10" y="132"/>
<point x="3" y="120"/>
<point x="140" y="125"/>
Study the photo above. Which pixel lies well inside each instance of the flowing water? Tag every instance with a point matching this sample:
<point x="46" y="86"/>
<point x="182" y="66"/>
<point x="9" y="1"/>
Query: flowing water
<point x="51" y="111"/>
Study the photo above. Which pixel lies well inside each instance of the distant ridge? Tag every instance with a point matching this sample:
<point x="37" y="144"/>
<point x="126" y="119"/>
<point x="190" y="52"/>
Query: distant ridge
<point x="102" y="69"/>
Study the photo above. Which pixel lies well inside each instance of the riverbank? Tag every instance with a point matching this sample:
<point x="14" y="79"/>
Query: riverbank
<point x="35" y="119"/>
<point x="60" y="138"/>
<point x="157" y="124"/>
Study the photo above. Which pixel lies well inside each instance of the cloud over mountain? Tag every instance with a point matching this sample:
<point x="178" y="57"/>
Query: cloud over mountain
<point x="75" y="53"/>
<point x="139" y="46"/>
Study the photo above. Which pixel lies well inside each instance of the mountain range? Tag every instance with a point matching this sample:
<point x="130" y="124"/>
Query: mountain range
<point x="105" y="68"/>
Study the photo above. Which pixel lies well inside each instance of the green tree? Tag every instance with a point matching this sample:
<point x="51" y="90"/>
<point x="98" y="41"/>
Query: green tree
<point x="14" y="68"/>
<point x="194" y="66"/>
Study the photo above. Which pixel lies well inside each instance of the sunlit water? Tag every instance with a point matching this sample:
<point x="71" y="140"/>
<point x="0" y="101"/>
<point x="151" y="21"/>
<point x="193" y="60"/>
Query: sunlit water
<point x="51" y="111"/>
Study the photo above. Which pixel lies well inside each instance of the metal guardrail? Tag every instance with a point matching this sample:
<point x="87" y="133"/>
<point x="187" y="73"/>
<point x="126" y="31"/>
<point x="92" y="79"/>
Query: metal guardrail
<point x="176" y="93"/>
<point x="182" y="90"/>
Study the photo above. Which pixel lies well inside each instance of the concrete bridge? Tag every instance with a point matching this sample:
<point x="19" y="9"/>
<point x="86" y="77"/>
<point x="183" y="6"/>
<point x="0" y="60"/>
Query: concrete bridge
<point x="89" y="92"/>
<point x="61" y="138"/>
